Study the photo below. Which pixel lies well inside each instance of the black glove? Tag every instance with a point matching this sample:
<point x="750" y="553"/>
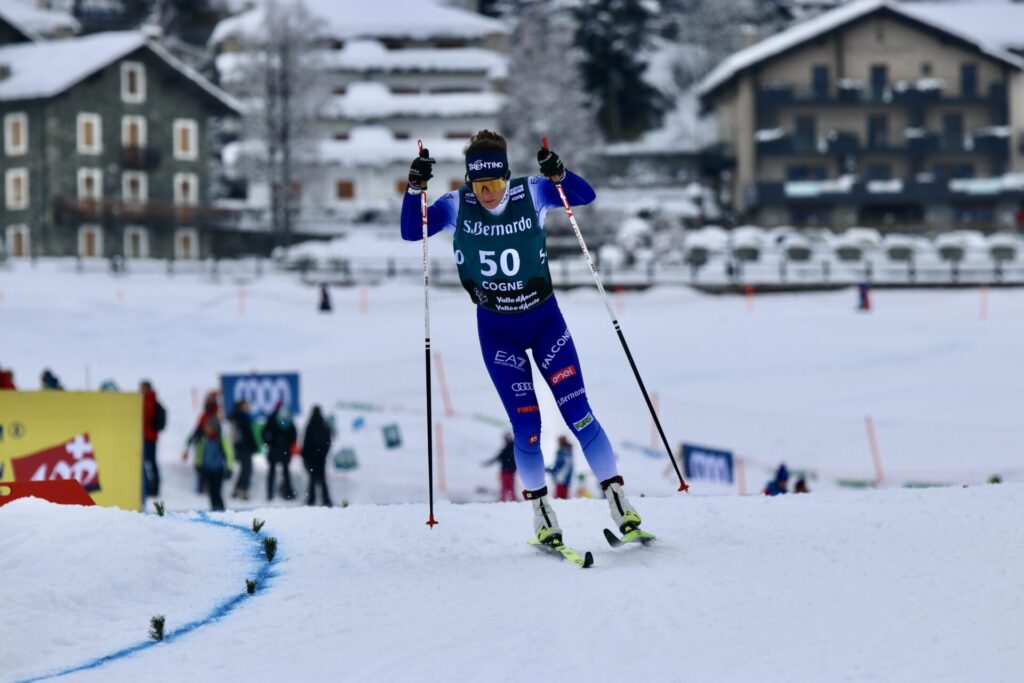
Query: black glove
<point x="422" y="169"/>
<point x="550" y="165"/>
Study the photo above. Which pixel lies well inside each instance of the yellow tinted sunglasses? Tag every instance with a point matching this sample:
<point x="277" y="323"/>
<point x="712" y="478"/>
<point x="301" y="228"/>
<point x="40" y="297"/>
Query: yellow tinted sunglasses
<point x="492" y="185"/>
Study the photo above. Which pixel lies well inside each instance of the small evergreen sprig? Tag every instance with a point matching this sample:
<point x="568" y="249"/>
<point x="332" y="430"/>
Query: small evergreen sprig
<point x="156" y="628"/>
<point x="257" y="524"/>
<point x="160" y="507"/>
<point x="270" y="547"/>
<point x="250" y="586"/>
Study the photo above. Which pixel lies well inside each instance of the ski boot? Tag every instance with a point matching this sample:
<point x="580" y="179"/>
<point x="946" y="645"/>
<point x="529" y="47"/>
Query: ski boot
<point x="624" y="514"/>
<point x="545" y="524"/>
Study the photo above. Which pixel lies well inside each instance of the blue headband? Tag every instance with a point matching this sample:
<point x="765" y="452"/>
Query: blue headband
<point x="486" y="165"/>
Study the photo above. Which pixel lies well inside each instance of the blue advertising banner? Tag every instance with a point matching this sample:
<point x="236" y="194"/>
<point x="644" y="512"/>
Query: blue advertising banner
<point x="262" y="390"/>
<point x="708" y="464"/>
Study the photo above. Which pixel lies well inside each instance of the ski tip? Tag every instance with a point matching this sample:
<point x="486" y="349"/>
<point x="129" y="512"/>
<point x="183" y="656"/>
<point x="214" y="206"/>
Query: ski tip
<point x="613" y="540"/>
<point x="588" y="560"/>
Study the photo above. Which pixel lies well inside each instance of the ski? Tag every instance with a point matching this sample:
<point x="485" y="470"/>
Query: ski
<point x="636" y="536"/>
<point x="565" y="552"/>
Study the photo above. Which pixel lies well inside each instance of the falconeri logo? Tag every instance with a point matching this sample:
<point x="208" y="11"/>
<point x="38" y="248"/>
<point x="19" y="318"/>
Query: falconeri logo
<point x="480" y="165"/>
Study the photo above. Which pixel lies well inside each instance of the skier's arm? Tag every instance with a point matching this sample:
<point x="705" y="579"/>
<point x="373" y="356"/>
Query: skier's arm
<point x="545" y="195"/>
<point x="440" y="215"/>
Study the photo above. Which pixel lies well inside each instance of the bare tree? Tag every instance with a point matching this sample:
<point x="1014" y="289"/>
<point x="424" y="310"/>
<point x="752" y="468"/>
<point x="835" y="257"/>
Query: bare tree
<point x="546" y="95"/>
<point x="280" y="81"/>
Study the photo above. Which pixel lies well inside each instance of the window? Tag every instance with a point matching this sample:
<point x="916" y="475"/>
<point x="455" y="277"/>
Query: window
<point x="186" y="140"/>
<point x="340" y="90"/>
<point x="133" y="82"/>
<point x="90" y="241"/>
<point x="90" y="134"/>
<point x="186" y="244"/>
<point x="458" y="135"/>
<point x="186" y="189"/>
<point x="341" y="136"/>
<point x="16" y="188"/>
<point x="15" y="134"/>
<point x="805" y="172"/>
<point x="953" y="130"/>
<point x="878" y="131"/>
<point x="345" y="189"/>
<point x="90" y="184"/>
<point x="926" y="69"/>
<point x="133" y="132"/>
<point x="962" y="170"/>
<point x="819" y="82"/>
<point x="136" y="242"/>
<point x="969" y="80"/>
<point x="878" y="172"/>
<point x="879" y="80"/>
<point x="402" y="135"/>
<point x="806" y="132"/>
<point x="17" y="241"/>
<point x="134" y="187"/>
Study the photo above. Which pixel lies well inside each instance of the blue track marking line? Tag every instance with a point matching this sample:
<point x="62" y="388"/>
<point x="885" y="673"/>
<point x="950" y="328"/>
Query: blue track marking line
<point x="262" y="576"/>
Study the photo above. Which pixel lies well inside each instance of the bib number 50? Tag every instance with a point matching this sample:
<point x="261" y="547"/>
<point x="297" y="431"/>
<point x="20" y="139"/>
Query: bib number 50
<point x="509" y="262"/>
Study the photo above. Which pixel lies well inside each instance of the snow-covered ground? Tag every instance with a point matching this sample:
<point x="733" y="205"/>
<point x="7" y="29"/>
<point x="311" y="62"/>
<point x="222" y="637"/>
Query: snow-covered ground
<point x="890" y="584"/>
<point x="783" y="378"/>
<point x="897" y="585"/>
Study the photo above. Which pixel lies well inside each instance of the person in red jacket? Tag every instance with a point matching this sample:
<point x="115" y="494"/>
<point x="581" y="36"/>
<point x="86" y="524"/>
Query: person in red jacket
<point x="7" y="379"/>
<point x="153" y="420"/>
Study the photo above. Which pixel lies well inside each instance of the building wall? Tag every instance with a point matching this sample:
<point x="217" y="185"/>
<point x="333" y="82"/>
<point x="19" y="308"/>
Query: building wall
<point x="1017" y="122"/>
<point x="32" y="160"/>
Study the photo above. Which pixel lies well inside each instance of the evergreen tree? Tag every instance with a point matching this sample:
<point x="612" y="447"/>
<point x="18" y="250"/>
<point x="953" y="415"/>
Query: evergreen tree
<point x="546" y="96"/>
<point x="615" y="36"/>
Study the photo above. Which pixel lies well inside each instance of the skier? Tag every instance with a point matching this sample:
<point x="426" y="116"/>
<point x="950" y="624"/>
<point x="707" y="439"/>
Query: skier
<point x="561" y="471"/>
<point x="507" y="457"/>
<point x="316" y="444"/>
<point x="500" y="249"/>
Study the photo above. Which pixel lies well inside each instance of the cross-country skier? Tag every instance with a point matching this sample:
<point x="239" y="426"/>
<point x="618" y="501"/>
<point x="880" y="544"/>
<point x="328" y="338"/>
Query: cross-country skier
<point x="500" y="247"/>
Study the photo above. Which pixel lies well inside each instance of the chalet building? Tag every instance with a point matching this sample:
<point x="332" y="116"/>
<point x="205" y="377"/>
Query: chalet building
<point x="23" y="23"/>
<point x="387" y="79"/>
<point x="105" y="150"/>
<point x="877" y="113"/>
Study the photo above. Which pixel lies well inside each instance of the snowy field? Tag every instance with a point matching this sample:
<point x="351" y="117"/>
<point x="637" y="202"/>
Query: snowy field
<point x="890" y="584"/>
<point x="896" y="585"/>
<point x="780" y="378"/>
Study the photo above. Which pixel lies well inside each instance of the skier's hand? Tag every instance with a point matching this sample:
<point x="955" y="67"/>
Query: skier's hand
<point x="422" y="170"/>
<point x="550" y="165"/>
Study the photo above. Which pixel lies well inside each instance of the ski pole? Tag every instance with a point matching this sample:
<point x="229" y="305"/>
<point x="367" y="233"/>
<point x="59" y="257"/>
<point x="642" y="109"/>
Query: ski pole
<point x="426" y="350"/>
<point x="683" y="486"/>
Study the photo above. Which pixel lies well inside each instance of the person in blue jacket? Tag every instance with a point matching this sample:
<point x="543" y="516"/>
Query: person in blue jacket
<point x="561" y="471"/>
<point x="500" y="245"/>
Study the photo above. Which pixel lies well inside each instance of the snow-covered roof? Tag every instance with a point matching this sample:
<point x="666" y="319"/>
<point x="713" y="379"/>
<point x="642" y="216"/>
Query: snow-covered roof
<point x="345" y="19"/>
<point x="367" y="146"/>
<point x="803" y="32"/>
<point x="369" y="101"/>
<point x="47" y="68"/>
<point x="37" y="23"/>
<point x="995" y="22"/>
<point x="370" y="56"/>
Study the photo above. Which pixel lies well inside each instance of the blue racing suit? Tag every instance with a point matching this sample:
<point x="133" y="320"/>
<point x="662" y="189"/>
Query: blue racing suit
<point x="505" y="337"/>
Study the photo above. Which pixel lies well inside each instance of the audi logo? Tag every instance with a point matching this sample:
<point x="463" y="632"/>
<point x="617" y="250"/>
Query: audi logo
<point x="522" y="386"/>
<point x="263" y="394"/>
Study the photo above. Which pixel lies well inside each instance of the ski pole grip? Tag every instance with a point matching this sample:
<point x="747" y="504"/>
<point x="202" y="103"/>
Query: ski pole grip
<point x="544" y="141"/>
<point x="420" y="143"/>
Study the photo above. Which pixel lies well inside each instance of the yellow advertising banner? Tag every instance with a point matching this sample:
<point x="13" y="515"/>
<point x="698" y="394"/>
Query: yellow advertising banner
<point x="94" y="437"/>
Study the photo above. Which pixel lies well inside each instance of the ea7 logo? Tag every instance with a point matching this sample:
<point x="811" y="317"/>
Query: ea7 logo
<point x="510" y="360"/>
<point x="565" y="373"/>
<point x="521" y="387"/>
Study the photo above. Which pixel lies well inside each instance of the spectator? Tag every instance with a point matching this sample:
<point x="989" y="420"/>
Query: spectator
<point x="214" y="460"/>
<point x="49" y="381"/>
<point x="316" y="444"/>
<point x="325" y="299"/>
<point x="154" y="419"/>
<point x="507" y="457"/>
<point x="561" y="471"/>
<point x="780" y="483"/>
<point x="7" y="379"/>
<point x="801" y="485"/>
<point x="211" y="409"/>
<point x="245" y="447"/>
<point x="279" y="435"/>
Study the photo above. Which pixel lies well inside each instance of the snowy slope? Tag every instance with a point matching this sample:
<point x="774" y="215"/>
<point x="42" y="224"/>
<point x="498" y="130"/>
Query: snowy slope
<point x="884" y="585"/>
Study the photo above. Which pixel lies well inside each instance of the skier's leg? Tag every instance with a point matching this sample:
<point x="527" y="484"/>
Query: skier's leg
<point x="555" y="354"/>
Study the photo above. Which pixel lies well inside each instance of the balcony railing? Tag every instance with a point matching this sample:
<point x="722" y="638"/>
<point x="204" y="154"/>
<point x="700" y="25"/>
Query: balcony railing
<point x="925" y="91"/>
<point x="850" y="190"/>
<point x="993" y="142"/>
<point x="68" y="211"/>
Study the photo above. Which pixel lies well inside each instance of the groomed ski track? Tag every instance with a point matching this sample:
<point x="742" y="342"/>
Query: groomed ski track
<point x="894" y="585"/>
